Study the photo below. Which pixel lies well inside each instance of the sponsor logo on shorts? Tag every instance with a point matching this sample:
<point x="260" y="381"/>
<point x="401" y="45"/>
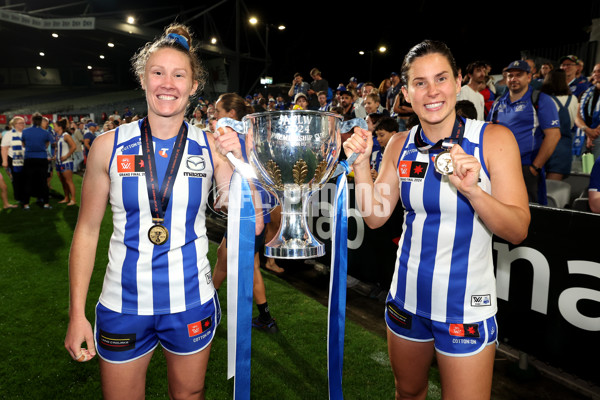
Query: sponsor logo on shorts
<point x="116" y="341"/>
<point x="412" y="171"/>
<point x="481" y="300"/>
<point x="399" y="317"/>
<point x="196" y="328"/>
<point x="464" y="330"/>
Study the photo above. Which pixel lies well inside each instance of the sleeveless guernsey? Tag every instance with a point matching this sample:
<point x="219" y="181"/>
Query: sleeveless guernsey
<point x="62" y="149"/>
<point x="147" y="279"/>
<point x="444" y="270"/>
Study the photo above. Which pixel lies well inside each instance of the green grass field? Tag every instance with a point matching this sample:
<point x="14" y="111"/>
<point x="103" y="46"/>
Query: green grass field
<point x="34" y="249"/>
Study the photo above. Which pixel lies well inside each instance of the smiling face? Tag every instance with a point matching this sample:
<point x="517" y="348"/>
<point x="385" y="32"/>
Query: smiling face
<point x="168" y="82"/>
<point x="431" y="88"/>
<point x="371" y="105"/>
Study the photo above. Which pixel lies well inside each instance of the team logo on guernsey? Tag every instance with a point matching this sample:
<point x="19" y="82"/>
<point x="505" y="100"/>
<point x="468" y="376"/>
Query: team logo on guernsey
<point x="411" y="171"/>
<point x="464" y="330"/>
<point x="130" y="165"/>
<point x="198" y="327"/>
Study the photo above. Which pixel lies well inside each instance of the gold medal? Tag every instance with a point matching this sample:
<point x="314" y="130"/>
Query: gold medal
<point x="443" y="163"/>
<point x="158" y="234"/>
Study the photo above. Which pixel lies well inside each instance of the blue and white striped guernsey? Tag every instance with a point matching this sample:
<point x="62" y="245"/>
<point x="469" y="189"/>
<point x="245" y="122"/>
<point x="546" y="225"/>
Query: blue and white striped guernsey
<point x="62" y="149"/>
<point x="147" y="279"/>
<point x="444" y="269"/>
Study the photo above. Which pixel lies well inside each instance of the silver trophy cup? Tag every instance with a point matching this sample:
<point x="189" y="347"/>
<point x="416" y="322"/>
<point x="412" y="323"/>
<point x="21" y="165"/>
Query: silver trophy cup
<point x="293" y="154"/>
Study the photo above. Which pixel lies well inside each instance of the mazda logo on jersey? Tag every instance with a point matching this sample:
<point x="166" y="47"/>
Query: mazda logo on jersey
<point x="196" y="163"/>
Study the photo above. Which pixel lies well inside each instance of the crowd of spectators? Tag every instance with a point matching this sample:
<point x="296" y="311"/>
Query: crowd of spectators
<point x="373" y="101"/>
<point x="31" y="155"/>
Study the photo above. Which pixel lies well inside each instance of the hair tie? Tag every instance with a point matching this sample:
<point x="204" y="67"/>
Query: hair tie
<point x="179" y="39"/>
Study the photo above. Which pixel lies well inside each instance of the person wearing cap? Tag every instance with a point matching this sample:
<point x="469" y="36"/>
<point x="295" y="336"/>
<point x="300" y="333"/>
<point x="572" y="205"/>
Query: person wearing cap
<point x="572" y="67"/>
<point x="300" y="102"/>
<point x="317" y="85"/>
<point x="352" y="84"/>
<point x="298" y="86"/>
<point x="516" y="110"/>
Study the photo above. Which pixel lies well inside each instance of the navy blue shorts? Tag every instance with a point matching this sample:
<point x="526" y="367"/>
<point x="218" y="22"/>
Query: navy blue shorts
<point x="121" y="338"/>
<point x="456" y="340"/>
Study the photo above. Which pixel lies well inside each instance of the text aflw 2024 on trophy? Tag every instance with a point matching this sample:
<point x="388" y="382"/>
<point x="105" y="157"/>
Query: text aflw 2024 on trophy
<point x="293" y="153"/>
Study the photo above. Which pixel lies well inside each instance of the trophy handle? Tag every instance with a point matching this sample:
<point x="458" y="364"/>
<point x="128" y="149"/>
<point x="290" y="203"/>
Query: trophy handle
<point x="236" y="125"/>
<point x="347" y="126"/>
<point x="243" y="168"/>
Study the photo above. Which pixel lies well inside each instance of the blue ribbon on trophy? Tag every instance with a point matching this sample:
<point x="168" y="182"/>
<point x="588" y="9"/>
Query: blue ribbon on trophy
<point x="240" y="266"/>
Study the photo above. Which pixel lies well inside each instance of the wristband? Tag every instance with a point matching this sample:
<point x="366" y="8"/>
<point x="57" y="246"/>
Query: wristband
<point x="537" y="169"/>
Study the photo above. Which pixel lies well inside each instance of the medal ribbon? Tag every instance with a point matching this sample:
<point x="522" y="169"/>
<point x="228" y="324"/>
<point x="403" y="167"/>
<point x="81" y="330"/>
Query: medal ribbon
<point x="159" y="197"/>
<point x="456" y="137"/>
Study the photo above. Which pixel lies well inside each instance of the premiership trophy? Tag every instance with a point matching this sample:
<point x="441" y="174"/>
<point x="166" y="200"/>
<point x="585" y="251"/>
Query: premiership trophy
<point x="293" y="154"/>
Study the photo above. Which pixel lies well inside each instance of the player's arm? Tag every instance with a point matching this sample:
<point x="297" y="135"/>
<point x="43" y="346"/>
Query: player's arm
<point x="94" y="197"/>
<point x="551" y="138"/>
<point x="375" y="200"/>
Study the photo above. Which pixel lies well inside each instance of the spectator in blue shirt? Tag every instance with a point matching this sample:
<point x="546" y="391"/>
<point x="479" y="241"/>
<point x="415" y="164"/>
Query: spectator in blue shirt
<point x="35" y="141"/>
<point x="535" y="125"/>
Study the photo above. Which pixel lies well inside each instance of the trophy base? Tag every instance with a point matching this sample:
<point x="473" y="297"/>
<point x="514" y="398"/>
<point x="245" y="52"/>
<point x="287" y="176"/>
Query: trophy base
<point x="291" y="250"/>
